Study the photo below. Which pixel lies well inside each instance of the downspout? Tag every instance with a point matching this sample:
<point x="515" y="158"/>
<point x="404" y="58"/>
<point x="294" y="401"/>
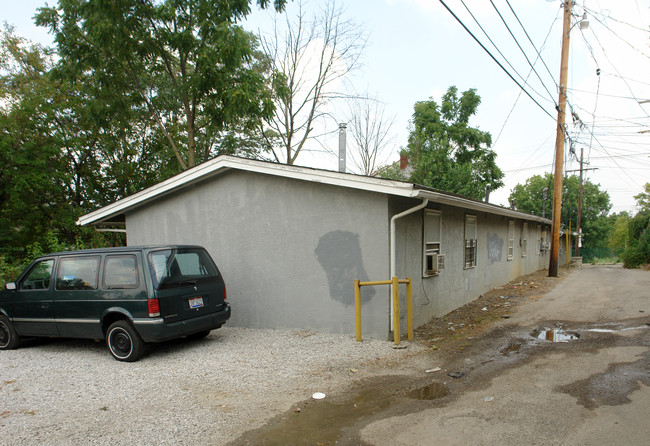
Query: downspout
<point x="393" y="244"/>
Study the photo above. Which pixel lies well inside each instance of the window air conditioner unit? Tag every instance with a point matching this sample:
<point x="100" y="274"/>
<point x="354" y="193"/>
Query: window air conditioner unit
<point x="441" y="261"/>
<point x="435" y="263"/>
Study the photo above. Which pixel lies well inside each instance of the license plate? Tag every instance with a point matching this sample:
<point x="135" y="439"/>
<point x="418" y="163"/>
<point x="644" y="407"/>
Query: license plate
<point x="196" y="302"/>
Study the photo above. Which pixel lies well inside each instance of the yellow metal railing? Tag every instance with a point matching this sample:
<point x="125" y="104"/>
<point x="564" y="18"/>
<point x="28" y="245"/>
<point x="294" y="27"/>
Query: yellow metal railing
<point x="409" y="306"/>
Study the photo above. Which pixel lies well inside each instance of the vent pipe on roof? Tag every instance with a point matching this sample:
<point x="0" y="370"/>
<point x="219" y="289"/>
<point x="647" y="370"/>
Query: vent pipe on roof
<point x="342" y="127"/>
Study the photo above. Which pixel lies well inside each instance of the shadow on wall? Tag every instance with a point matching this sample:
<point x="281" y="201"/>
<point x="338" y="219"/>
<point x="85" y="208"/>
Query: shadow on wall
<point x="339" y="253"/>
<point x="495" y="247"/>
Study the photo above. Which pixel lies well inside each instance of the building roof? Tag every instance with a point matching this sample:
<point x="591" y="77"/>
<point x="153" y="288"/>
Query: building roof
<point x="113" y="214"/>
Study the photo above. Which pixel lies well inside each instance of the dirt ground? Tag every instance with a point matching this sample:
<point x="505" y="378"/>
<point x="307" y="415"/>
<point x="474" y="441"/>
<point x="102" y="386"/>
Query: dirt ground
<point x="453" y="332"/>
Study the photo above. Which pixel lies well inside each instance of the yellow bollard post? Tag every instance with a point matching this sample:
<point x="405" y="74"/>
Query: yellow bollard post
<point x="409" y="309"/>
<point x="396" y="329"/>
<point x="357" y="308"/>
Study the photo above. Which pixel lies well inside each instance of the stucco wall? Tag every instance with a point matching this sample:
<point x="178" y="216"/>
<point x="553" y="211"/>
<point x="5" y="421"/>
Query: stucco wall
<point x="455" y="286"/>
<point x="289" y="250"/>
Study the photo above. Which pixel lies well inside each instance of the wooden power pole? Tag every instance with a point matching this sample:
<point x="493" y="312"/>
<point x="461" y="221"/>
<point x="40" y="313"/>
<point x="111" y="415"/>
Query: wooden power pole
<point x="559" y="144"/>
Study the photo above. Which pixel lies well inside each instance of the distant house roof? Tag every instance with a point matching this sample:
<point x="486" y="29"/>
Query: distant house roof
<point x="113" y="214"/>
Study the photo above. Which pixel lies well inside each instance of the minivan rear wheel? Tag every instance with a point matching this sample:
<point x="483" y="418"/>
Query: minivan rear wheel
<point x="9" y="339"/>
<point x="124" y="343"/>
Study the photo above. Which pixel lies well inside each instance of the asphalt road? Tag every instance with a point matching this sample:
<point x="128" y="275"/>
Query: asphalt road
<point x="521" y="387"/>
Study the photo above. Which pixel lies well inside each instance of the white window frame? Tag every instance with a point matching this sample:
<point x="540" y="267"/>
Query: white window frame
<point x="431" y="244"/>
<point x="539" y="239"/>
<point x="471" y="241"/>
<point x="524" y="239"/>
<point x="511" y="239"/>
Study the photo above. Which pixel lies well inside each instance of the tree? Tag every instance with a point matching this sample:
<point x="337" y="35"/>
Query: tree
<point x="643" y="199"/>
<point x="59" y="157"/>
<point x="638" y="233"/>
<point x="185" y="64"/>
<point x="596" y="226"/>
<point x="310" y="57"/>
<point x="370" y="134"/>
<point x="618" y="239"/>
<point x="445" y="152"/>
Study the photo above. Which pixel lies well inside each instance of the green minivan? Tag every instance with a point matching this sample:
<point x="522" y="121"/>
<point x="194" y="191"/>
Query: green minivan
<point x="128" y="296"/>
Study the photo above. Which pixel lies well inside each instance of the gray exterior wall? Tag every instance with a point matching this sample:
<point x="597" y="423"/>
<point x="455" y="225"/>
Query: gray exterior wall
<point x="434" y="296"/>
<point x="289" y="250"/>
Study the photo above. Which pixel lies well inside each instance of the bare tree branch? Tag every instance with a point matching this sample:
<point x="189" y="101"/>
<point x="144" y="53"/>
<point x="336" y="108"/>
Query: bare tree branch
<point x="314" y="55"/>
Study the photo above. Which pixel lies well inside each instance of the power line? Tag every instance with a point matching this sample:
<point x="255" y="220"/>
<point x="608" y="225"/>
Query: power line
<point x="529" y="73"/>
<point x="532" y="66"/>
<point x="494" y="59"/>
<point x="498" y="50"/>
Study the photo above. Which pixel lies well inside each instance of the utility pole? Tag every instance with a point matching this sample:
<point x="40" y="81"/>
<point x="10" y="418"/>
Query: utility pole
<point x="559" y="144"/>
<point x="576" y="249"/>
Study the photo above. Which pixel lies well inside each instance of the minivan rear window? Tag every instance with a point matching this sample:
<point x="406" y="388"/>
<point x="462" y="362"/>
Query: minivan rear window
<point x="181" y="267"/>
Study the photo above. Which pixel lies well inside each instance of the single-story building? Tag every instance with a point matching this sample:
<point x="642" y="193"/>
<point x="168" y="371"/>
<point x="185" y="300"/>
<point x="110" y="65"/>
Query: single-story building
<point x="291" y="241"/>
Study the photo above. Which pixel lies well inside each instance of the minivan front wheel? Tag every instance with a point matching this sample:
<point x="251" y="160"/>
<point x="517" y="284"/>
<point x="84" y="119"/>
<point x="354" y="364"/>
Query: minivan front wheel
<point x="124" y="343"/>
<point x="9" y="339"/>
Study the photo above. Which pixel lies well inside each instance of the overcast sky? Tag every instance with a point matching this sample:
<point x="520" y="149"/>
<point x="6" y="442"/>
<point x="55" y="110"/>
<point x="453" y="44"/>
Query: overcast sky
<point x="417" y="50"/>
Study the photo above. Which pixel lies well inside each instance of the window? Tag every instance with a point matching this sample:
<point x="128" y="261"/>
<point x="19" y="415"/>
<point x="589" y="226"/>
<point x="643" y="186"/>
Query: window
<point x="77" y="273"/>
<point x="181" y="267"/>
<point x="470" y="241"/>
<point x="39" y="276"/>
<point x="121" y="272"/>
<point x="542" y="242"/>
<point x="539" y="238"/>
<point x="524" y="239"/>
<point x="432" y="228"/>
<point x="511" y="239"/>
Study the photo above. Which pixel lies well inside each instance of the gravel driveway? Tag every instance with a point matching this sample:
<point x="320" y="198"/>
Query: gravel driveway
<point x="60" y="392"/>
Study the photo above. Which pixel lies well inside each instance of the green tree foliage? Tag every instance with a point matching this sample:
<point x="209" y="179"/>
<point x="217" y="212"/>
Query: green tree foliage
<point x="643" y="199"/>
<point x="52" y="163"/>
<point x="596" y="225"/>
<point x="186" y="65"/>
<point x="445" y="153"/>
<point x="638" y="236"/>
<point x="618" y="238"/>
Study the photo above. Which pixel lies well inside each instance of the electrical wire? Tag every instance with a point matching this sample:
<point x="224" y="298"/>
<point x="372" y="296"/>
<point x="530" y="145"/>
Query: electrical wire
<point x="532" y="66"/>
<point x="495" y="60"/>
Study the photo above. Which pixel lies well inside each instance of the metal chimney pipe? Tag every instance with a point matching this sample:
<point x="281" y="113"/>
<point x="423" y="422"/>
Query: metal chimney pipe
<point x="342" y="151"/>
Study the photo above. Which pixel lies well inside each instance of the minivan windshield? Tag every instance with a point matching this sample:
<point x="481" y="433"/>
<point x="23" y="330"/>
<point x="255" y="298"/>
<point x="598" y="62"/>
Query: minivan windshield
<point x="181" y="267"/>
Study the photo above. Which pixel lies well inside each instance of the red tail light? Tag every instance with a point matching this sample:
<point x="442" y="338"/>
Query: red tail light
<point x="154" y="307"/>
<point x="224" y="292"/>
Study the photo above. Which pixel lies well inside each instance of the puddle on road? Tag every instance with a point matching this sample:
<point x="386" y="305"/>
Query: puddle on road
<point x="554" y="335"/>
<point x="326" y="421"/>
<point x="431" y="392"/>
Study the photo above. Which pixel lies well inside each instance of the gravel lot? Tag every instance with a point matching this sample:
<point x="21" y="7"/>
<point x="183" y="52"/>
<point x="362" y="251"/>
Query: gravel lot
<point x="60" y="392"/>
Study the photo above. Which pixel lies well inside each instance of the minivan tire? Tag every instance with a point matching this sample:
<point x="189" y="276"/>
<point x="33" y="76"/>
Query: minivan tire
<point x="124" y="343"/>
<point x="9" y="339"/>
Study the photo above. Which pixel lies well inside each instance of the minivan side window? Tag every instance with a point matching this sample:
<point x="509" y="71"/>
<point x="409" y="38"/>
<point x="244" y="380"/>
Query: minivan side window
<point x="78" y="273"/>
<point x="38" y="278"/>
<point x="121" y="272"/>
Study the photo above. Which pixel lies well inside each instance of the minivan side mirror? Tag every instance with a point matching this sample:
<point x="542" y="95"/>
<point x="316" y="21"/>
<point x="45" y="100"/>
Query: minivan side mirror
<point x="10" y="286"/>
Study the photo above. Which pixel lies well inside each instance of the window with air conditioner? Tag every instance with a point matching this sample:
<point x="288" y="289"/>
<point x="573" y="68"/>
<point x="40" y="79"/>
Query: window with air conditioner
<point x="511" y="239"/>
<point x="471" y="241"/>
<point x="433" y="259"/>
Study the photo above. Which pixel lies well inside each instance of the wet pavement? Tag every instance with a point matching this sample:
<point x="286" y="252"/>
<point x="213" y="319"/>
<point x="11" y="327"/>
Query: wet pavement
<point x="552" y="382"/>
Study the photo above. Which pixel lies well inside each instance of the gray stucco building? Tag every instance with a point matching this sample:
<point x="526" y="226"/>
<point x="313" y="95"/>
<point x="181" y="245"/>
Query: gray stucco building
<point x="290" y="241"/>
